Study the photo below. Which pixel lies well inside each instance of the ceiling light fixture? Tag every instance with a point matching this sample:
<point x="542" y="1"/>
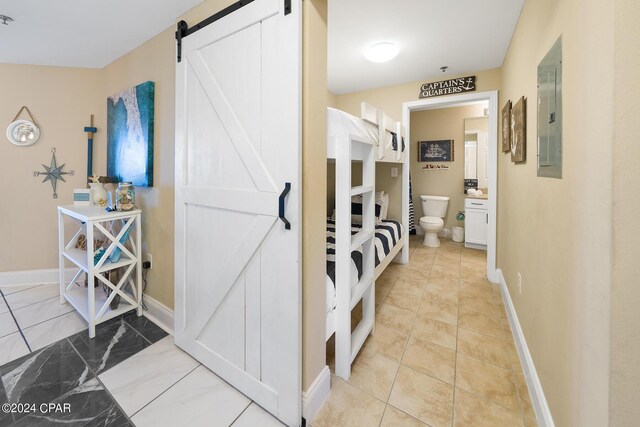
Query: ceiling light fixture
<point x="381" y="52"/>
<point x="6" y="19"/>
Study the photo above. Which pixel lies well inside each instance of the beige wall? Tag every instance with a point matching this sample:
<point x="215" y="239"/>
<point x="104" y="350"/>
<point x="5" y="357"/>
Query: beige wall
<point x="557" y="232"/>
<point x="390" y="99"/>
<point x="625" y="293"/>
<point x="61" y="100"/>
<point x="155" y="61"/>
<point x="332" y="99"/>
<point x="480" y="124"/>
<point x="314" y="177"/>
<point x="445" y="123"/>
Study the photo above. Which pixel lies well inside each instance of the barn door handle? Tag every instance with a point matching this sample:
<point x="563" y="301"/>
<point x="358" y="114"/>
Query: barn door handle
<point x="281" y="210"/>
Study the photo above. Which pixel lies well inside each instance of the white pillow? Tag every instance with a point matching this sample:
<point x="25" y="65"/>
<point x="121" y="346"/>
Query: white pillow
<point x="379" y="197"/>
<point x="385" y="207"/>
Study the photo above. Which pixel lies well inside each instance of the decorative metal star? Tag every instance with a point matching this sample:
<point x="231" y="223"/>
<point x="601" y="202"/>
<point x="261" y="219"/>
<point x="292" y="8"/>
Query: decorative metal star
<point x="53" y="173"/>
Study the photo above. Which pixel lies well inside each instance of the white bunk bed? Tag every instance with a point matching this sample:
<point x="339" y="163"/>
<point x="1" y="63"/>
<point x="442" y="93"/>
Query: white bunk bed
<point x="374" y="137"/>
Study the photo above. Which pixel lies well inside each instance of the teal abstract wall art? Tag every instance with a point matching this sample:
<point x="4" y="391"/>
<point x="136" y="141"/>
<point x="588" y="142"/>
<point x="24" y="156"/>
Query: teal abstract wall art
<point x="130" y="135"/>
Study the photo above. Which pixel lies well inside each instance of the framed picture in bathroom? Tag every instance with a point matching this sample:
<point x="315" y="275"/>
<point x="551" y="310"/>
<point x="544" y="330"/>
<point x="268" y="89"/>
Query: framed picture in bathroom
<point x="436" y="151"/>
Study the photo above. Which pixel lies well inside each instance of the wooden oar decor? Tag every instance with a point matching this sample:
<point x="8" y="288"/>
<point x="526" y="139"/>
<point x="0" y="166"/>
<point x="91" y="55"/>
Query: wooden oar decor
<point x="90" y="131"/>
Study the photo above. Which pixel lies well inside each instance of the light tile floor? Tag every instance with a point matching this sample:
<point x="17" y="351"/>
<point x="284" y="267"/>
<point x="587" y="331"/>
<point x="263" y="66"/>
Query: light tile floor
<point x="154" y="384"/>
<point x="40" y="316"/>
<point x="442" y="353"/>
<point x="163" y="386"/>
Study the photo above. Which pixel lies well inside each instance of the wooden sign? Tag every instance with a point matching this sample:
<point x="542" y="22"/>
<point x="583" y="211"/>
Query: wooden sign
<point x="448" y="87"/>
<point x="506" y="127"/>
<point x="519" y="131"/>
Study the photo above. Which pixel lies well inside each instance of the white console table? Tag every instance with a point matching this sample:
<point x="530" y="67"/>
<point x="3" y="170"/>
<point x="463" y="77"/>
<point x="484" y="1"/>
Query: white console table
<point x="92" y="303"/>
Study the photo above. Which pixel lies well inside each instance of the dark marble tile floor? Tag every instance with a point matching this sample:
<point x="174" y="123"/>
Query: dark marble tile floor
<point x="114" y="342"/>
<point x="145" y="327"/>
<point x="66" y="372"/>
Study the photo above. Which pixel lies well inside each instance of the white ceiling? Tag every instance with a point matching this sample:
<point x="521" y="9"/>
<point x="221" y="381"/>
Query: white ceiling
<point x="465" y="35"/>
<point x="82" y="33"/>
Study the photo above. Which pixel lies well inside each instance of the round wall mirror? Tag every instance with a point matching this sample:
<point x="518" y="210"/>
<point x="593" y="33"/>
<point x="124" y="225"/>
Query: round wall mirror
<point x="23" y="133"/>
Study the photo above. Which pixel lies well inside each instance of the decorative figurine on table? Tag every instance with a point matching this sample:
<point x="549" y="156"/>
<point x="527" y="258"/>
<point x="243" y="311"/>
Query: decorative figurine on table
<point x="125" y="196"/>
<point x="99" y="193"/>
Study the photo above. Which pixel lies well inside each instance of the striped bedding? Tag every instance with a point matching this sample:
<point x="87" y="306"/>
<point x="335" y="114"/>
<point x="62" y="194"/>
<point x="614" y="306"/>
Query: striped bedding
<point x="388" y="233"/>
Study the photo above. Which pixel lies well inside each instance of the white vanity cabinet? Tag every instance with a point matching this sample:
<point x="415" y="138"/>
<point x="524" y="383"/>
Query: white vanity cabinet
<point x="476" y="219"/>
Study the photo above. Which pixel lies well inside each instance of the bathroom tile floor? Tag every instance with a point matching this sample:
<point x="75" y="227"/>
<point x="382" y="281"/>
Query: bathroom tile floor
<point x="442" y="353"/>
<point x="131" y="373"/>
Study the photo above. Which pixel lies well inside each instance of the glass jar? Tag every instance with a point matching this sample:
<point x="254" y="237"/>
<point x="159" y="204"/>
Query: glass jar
<point x="125" y="196"/>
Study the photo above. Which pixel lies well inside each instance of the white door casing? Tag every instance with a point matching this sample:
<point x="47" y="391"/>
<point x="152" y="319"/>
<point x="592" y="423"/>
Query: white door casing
<point x="492" y="161"/>
<point x="237" y="269"/>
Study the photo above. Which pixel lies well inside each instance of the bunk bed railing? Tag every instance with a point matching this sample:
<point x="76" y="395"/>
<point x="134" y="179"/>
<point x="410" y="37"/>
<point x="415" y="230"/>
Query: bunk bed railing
<point x="385" y="124"/>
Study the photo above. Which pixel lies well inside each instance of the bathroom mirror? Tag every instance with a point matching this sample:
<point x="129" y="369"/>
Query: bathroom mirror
<point x="476" y="150"/>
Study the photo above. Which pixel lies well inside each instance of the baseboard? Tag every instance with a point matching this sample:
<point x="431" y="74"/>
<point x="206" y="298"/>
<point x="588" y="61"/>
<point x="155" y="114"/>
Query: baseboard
<point x="158" y="313"/>
<point x="538" y="399"/>
<point x="314" y="397"/>
<point x="34" y="277"/>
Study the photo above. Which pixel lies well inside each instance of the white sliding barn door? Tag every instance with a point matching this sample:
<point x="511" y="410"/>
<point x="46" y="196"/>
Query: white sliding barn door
<point x="237" y="278"/>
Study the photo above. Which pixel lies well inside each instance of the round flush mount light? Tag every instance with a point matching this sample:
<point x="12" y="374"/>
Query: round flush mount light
<point x="381" y="52"/>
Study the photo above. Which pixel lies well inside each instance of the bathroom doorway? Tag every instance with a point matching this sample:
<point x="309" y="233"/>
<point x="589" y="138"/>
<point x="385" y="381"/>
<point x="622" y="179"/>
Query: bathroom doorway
<point x="492" y="154"/>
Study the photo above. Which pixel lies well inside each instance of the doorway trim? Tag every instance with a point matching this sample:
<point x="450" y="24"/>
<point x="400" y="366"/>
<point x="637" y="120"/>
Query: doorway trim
<point x="456" y="101"/>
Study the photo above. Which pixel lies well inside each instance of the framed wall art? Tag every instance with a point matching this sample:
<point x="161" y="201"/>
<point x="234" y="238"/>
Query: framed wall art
<point x="519" y="131"/>
<point x="506" y="127"/>
<point x="436" y="151"/>
<point x="130" y="135"/>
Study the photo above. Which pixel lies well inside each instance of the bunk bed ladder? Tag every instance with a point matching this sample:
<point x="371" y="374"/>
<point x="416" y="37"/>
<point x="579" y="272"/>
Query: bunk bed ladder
<point x="348" y="343"/>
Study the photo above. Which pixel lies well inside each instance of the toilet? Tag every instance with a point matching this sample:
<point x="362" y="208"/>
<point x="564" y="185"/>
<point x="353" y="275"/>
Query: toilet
<point x="434" y="209"/>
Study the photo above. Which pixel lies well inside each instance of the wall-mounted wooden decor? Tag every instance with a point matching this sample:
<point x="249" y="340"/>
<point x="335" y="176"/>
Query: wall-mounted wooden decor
<point x="519" y="131"/>
<point x="448" y="87"/>
<point x="506" y="127"/>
